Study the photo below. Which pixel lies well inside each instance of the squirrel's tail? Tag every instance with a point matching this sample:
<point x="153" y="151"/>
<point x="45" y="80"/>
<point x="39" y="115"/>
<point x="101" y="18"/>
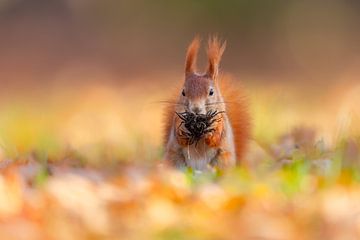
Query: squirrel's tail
<point x="237" y="109"/>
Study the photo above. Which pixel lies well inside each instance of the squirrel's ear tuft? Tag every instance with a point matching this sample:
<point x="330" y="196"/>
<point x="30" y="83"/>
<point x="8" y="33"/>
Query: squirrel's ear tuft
<point x="215" y="51"/>
<point x="191" y="56"/>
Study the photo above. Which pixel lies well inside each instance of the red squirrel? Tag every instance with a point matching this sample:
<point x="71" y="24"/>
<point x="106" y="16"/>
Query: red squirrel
<point x="222" y="144"/>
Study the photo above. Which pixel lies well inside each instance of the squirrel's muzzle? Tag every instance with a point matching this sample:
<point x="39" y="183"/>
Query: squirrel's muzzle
<point x="197" y="107"/>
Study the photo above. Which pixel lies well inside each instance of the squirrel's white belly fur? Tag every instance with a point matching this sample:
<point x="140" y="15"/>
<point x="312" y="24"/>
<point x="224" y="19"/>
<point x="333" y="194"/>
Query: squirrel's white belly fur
<point x="199" y="157"/>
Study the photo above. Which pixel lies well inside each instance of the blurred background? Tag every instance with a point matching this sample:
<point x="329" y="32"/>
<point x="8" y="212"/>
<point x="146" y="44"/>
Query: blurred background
<point x="88" y="76"/>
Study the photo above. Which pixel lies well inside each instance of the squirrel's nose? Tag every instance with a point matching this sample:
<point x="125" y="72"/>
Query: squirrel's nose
<point x="196" y="110"/>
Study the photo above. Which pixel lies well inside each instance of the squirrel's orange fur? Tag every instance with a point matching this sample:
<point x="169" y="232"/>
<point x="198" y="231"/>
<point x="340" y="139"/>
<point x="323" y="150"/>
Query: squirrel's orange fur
<point x="229" y="139"/>
<point x="238" y="112"/>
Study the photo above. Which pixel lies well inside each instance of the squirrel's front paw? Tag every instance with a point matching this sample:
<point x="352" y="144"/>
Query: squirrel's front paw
<point x="182" y="139"/>
<point x="212" y="139"/>
<point x="207" y="138"/>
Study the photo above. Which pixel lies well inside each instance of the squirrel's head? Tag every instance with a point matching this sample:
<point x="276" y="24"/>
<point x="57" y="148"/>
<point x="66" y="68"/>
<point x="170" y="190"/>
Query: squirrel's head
<point x="200" y="92"/>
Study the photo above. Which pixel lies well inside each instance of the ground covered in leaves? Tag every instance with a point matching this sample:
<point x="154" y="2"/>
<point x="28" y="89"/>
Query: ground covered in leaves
<point x="304" y="191"/>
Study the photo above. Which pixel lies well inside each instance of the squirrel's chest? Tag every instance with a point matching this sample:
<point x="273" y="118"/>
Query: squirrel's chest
<point x="200" y="156"/>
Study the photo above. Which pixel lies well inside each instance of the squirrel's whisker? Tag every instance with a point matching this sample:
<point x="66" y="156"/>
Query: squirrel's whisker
<point x="169" y="102"/>
<point x="214" y="103"/>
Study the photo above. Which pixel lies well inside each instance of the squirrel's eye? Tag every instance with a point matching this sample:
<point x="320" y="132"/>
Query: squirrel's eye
<point x="183" y="92"/>
<point x="211" y="92"/>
